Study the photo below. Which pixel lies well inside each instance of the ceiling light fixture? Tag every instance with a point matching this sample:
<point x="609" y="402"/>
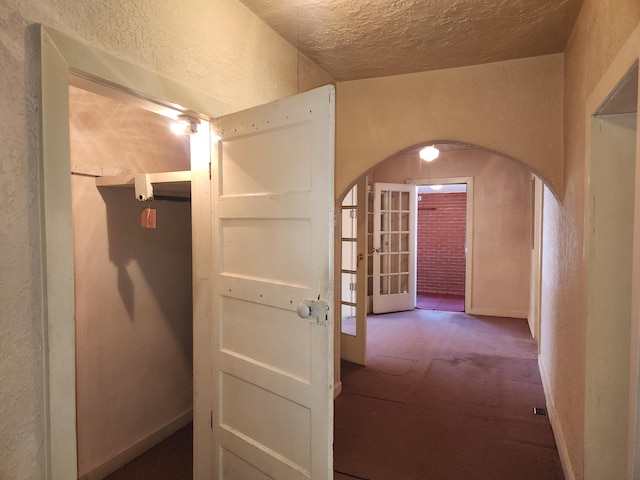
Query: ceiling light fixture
<point x="436" y="187"/>
<point x="185" y="124"/>
<point x="429" y="154"/>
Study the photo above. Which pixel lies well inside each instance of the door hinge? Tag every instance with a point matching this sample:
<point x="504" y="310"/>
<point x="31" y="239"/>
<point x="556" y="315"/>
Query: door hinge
<point x="211" y="420"/>
<point x="209" y="170"/>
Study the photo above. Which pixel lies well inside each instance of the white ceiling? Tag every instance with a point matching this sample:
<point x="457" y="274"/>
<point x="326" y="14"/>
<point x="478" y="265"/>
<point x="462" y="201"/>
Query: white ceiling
<point x="354" y="39"/>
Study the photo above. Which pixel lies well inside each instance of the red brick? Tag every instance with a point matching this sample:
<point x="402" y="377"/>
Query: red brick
<point x="441" y="241"/>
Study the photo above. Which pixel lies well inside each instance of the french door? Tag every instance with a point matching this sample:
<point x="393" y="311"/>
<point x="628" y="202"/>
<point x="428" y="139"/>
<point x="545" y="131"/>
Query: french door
<point x="394" y="249"/>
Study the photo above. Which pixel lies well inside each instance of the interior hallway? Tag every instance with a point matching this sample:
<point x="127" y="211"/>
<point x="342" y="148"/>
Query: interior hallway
<point x="445" y="396"/>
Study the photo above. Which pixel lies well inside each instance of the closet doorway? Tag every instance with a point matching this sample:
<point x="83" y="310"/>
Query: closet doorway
<point x="131" y="209"/>
<point x="301" y="126"/>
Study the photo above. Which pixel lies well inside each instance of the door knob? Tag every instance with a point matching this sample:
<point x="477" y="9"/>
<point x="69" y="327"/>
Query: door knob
<point x="303" y="310"/>
<point x="317" y="312"/>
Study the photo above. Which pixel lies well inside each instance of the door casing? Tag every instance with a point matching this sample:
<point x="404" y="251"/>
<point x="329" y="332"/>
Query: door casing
<point x="62" y="57"/>
<point x="468" y="181"/>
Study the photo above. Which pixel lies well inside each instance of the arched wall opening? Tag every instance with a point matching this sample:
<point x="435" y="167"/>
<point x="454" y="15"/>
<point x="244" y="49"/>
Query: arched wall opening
<point x="513" y="109"/>
<point x="503" y="242"/>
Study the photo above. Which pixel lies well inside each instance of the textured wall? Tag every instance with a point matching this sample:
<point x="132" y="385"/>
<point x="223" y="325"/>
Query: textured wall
<point x="501" y="221"/>
<point x="133" y="286"/>
<point x="601" y="30"/>
<point x="442" y="220"/>
<point x="513" y="108"/>
<point x="199" y="43"/>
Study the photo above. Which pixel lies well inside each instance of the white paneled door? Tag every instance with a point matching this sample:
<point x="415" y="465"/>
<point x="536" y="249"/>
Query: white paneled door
<point x="273" y="211"/>
<point x="394" y="247"/>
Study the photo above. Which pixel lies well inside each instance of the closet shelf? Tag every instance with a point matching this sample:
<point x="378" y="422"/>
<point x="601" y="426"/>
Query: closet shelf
<point x="168" y="184"/>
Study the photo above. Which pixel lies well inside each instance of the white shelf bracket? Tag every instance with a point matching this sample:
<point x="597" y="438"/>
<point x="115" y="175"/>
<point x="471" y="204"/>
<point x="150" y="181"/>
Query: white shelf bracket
<point x="143" y="187"/>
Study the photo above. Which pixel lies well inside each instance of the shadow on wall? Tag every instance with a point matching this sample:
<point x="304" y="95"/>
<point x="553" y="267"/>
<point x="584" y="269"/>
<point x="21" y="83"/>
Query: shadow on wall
<point x="160" y="257"/>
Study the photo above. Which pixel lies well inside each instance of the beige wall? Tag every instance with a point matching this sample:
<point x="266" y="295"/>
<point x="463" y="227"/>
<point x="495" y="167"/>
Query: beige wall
<point x="513" y="108"/>
<point x="602" y="28"/>
<point x="501" y="222"/>
<point x="197" y="43"/>
<point x="133" y="286"/>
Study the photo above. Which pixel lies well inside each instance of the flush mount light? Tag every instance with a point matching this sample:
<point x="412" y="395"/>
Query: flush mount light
<point x="185" y="124"/>
<point x="435" y="187"/>
<point x="429" y="154"/>
<point x="179" y="128"/>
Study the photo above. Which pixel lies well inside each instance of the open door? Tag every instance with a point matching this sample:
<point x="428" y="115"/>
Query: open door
<point x="273" y="223"/>
<point x="353" y="272"/>
<point x="394" y="251"/>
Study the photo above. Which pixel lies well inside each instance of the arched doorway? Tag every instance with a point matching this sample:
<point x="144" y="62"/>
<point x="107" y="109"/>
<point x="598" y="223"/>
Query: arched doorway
<point x="501" y="226"/>
<point x="501" y="240"/>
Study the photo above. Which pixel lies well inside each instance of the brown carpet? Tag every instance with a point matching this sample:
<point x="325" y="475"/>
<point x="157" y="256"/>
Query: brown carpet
<point x="171" y="459"/>
<point x="445" y="396"/>
<point x="440" y="301"/>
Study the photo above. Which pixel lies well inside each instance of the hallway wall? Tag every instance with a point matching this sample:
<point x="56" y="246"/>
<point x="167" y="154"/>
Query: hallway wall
<point x="513" y="108"/>
<point x="196" y="43"/>
<point x="602" y="28"/>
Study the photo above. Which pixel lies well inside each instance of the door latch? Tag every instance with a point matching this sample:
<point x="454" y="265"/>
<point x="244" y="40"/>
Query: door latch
<point x="314" y="311"/>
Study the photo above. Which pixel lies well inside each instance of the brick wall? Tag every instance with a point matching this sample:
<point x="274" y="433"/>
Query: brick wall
<point x="441" y="239"/>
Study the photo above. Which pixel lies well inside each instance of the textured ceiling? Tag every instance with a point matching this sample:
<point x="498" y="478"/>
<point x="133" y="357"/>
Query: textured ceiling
<point x="352" y="39"/>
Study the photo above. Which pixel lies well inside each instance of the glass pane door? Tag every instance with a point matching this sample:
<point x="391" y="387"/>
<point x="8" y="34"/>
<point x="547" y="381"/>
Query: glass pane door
<point x="394" y="256"/>
<point x="349" y="265"/>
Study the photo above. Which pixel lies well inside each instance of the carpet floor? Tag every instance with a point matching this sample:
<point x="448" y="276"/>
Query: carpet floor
<point x="440" y="301"/>
<point x="444" y="396"/>
<point x="171" y="459"/>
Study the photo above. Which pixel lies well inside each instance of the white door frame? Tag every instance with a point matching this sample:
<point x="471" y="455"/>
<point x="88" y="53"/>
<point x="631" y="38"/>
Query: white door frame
<point x="62" y="56"/>
<point x="612" y="267"/>
<point x="468" y="273"/>
<point x="535" y="296"/>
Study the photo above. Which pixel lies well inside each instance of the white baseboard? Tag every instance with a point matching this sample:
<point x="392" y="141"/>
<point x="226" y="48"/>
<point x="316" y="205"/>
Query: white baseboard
<point x="496" y="312"/>
<point x="138" y="448"/>
<point x="337" y="389"/>
<point x="556" y="426"/>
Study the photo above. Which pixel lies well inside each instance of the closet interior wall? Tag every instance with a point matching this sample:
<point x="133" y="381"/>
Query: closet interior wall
<point x="133" y="288"/>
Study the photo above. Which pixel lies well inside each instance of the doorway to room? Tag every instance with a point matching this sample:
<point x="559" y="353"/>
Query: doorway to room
<point x="441" y="247"/>
<point x="612" y="279"/>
